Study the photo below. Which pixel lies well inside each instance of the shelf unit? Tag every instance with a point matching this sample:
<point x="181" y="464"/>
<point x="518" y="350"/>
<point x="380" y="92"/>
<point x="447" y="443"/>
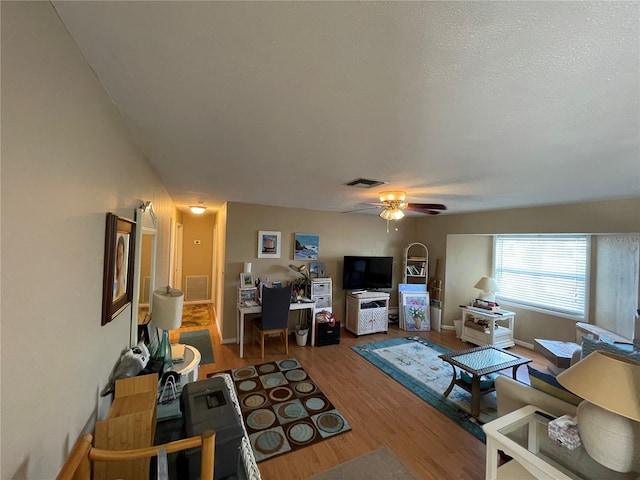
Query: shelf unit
<point x="499" y="331"/>
<point x="320" y="290"/>
<point x="415" y="264"/>
<point x="367" y="312"/>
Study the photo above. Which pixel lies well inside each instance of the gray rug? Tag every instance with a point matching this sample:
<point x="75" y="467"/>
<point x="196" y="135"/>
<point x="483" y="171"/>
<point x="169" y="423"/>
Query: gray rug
<point x="380" y="464"/>
<point x="202" y="341"/>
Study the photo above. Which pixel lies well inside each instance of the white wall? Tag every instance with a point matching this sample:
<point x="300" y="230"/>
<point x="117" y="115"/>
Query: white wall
<point x="66" y="161"/>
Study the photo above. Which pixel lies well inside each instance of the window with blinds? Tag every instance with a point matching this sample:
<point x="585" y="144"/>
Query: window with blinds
<point x="546" y="272"/>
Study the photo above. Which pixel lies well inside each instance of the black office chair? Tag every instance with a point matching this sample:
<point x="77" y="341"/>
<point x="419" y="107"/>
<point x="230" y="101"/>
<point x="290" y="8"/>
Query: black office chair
<point x="275" y="316"/>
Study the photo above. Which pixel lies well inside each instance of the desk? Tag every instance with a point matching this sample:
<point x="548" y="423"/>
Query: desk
<point x="243" y="310"/>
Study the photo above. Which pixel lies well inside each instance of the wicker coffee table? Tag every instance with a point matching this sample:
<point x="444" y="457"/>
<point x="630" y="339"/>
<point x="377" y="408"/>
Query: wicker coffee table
<point x="480" y="361"/>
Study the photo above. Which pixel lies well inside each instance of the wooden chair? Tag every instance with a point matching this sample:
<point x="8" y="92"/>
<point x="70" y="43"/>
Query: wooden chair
<point x="275" y="316"/>
<point x="80" y="461"/>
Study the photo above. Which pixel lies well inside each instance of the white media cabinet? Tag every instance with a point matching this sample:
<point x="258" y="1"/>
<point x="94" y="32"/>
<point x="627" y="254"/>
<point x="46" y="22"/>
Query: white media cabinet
<point x="367" y="312"/>
<point x="498" y="333"/>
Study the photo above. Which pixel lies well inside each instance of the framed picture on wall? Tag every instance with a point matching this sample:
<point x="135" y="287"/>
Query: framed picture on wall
<point x="269" y="244"/>
<point x="117" y="282"/>
<point x="306" y="246"/>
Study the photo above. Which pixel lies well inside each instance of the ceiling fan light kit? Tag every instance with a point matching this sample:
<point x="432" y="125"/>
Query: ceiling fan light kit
<point x="393" y="196"/>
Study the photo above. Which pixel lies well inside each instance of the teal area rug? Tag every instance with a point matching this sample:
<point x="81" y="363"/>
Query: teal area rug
<point x="413" y="362"/>
<point x="283" y="409"/>
<point x="202" y="341"/>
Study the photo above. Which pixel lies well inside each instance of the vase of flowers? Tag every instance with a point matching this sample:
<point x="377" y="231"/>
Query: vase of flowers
<point x="417" y="313"/>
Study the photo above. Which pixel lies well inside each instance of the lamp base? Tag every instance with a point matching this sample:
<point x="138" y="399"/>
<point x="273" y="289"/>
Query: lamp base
<point x="487" y="296"/>
<point x="164" y="352"/>
<point x="610" y="439"/>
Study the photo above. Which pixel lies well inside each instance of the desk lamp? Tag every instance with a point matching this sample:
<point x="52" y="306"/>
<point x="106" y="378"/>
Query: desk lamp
<point x="609" y="416"/>
<point x="167" y="315"/>
<point x="489" y="287"/>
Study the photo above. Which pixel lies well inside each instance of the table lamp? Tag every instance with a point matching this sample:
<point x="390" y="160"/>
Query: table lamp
<point x="489" y="287"/>
<point x="609" y="416"/>
<point x="167" y="315"/>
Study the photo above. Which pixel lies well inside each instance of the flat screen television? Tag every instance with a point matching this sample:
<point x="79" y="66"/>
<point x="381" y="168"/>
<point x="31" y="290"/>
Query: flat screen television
<point x="362" y="272"/>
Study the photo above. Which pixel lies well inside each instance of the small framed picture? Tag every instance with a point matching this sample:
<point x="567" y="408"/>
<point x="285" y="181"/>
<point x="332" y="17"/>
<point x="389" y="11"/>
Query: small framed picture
<point x="269" y="244"/>
<point x="317" y="270"/>
<point x="246" y="279"/>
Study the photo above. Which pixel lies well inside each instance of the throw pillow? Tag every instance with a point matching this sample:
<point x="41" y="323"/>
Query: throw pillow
<point x="486" y="381"/>
<point x="589" y="345"/>
<point x="548" y="384"/>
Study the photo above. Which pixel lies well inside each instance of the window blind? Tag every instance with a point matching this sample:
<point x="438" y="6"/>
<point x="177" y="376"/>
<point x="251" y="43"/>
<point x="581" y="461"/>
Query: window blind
<point x="546" y="272"/>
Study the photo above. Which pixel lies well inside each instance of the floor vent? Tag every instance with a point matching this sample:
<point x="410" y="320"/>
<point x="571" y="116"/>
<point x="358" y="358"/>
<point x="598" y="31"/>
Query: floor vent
<point x="197" y="288"/>
<point x="364" y="183"/>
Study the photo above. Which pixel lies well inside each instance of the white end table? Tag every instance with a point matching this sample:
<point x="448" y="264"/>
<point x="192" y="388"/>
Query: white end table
<point x="523" y="435"/>
<point x="188" y="368"/>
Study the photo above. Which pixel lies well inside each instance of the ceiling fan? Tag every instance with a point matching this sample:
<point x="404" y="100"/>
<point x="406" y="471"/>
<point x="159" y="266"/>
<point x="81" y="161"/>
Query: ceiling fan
<point x="394" y="203"/>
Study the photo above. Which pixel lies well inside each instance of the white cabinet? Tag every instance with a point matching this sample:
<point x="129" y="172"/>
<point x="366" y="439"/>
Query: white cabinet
<point x="321" y="292"/>
<point x="415" y="263"/>
<point x="482" y="327"/>
<point x="367" y="312"/>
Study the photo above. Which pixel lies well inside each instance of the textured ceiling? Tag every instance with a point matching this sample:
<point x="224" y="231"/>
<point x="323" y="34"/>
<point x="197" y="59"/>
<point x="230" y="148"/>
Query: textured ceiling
<point x="478" y="105"/>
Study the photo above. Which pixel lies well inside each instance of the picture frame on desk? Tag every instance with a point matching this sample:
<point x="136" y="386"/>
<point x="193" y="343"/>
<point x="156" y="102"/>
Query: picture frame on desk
<point x="246" y="279"/>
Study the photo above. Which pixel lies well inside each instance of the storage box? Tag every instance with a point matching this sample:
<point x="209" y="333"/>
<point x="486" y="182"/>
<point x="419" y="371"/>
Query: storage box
<point x="565" y="431"/>
<point x="326" y="334"/>
<point x="206" y="405"/>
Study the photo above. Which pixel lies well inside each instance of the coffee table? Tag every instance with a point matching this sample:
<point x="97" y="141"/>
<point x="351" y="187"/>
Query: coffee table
<point x="480" y="361"/>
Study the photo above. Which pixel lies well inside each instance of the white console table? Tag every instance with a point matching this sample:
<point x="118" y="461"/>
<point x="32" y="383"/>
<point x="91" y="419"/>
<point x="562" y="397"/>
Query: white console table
<point x="499" y="331"/>
<point x="363" y="317"/>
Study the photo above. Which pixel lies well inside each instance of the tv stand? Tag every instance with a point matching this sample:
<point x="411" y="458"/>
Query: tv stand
<point x="367" y="312"/>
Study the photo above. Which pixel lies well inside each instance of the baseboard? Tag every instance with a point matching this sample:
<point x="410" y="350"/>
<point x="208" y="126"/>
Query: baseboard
<point x="447" y="327"/>
<point x="197" y="302"/>
<point x="229" y="340"/>
<point x="523" y="344"/>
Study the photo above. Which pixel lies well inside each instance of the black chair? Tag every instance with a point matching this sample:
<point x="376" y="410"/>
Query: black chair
<point x="275" y="316"/>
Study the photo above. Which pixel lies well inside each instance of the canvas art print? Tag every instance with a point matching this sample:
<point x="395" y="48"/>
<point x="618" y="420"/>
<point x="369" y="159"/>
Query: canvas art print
<point x="416" y="312"/>
<point x="306" y="246"/>
<point x="317" y="270"/>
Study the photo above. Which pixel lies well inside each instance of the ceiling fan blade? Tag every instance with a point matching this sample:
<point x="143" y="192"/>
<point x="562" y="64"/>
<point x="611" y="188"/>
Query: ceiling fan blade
<point x="360" y="209"/>
<point x="417" y="207"/>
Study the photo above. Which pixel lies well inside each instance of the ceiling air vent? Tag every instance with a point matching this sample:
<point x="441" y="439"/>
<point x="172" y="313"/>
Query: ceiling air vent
<point x="364" y="183"/>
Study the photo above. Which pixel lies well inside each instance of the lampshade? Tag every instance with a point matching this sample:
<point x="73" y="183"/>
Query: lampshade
<point x="607" y="380"/>
<point x="390" y="196"/>
<point x="392" y="213"/>
<point x="609" y="416"/>
<point x="167" y="308"/>
<point x="197" y="209"/>
<point x="488" y="284"/>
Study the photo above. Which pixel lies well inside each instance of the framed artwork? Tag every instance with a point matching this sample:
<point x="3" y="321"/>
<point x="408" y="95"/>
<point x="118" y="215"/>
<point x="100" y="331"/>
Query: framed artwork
<point x="415" y="307"/>
<point x="246" y="279"/>
<point x="317" y="270"/>
<point x="268" y="244"/>
<point x="117" y="282"/>
<point x="306" y="246"/>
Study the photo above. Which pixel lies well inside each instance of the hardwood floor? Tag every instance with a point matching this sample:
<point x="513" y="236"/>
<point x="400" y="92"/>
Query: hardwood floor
<point x="380" y="411"/>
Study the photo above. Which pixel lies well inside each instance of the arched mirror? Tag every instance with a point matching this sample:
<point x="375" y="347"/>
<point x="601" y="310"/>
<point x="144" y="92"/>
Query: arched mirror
<point x="145" y="268"/>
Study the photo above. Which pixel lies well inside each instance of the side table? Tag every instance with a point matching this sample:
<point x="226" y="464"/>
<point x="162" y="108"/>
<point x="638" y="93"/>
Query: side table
<point x="169" y="398"/>
<point x="523" y="435"/>
<point x="188" y="367"/>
